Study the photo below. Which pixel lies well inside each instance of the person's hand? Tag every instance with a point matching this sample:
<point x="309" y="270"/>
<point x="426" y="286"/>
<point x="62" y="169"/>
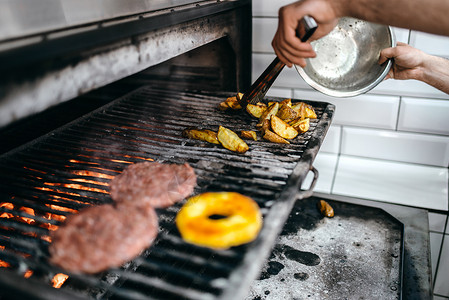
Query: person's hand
<point x="408" y="62"/>
<point x="287" y="46"/>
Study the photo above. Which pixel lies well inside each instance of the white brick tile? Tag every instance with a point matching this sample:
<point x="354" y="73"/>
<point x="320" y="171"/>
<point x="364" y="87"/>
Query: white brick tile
<point x="268" y="7"/>
<point x="289" y="77"/>
<point x="365" y="110"/>
<point x="412" y="88"/>
<point x="401" y="34"/>
<point x="435" y="245"/>
<point x="430" y="43"/>
<point x="398" y="146"/>
<point x="393" y="182"/>
<point x="441" y="279"/>
<point x="325" y="164"/>
<point x="263" y="33"/>
<point x="424" y="115"/>
<point x="437" y="222"/>
<point x="279" y="92"/>
<point x="332" y="140"/>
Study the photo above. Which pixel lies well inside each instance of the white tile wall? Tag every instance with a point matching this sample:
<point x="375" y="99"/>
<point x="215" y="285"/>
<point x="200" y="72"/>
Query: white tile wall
<point x="435" y="245"/>
<point x="279" y="92"/>
<point x="437" y="222"/>
<point x="325" y="163"/>
<point x="430" y="43"/>
<point x="394" y="182"/>
<point x="424" y="115"/>
<point x="373" y="111"/>
<point x="263" y="33"/>
<point x="442" y="278"/>
<point x="331" y="143"/>
<point x="268" y="8"/>
<point x="398" y="146"/>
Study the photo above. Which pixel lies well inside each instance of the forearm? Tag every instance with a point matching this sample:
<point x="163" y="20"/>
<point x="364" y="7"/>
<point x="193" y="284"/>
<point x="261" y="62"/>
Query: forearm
<point x="429" y="15"/>
<point x="435" y="72"/>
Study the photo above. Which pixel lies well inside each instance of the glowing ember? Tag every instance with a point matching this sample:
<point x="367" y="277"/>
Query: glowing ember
<point x="28" y="274"/>
<point x="4" y="264"/>
<point x="9" y="206"/>
<point x="58" y="280"/>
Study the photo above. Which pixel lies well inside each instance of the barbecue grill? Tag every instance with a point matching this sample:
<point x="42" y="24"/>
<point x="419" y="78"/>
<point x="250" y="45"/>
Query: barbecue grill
<point x="130" y="80"/>
<point x="70" y="168"/>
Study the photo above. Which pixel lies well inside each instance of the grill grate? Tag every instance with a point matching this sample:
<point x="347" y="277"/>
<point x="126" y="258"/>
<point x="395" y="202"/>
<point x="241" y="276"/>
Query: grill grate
<point x="45" y="180"/>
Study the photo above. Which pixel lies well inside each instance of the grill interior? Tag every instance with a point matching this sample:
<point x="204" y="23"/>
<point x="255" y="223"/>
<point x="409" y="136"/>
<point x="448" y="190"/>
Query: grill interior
<point x="70" y="168"/>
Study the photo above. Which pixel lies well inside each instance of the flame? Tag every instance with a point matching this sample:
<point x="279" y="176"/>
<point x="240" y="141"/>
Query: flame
<point x="28" y="274"/>
<point x="9" y="206"/>
<point x="58" y="280"/>
<point x="4" y="264"/>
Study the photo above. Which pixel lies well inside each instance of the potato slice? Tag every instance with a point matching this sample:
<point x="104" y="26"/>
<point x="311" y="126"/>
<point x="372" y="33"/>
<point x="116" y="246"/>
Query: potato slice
<point x="282" y="129"/>
<point x="231" y="141"/>
<point x="287" y="113"/>
<point x="233" y="103"/>
<point x="325" y="209"/>
<point x="201" y="134"/>
<point x="271" y="110"/>
<point x="286" y="102"/>
<point x="249" y="134"/>
<point x="301" y="125"/>
<point x="256" y="110"/>
<point x="273" y="137"/>
<point x="305" y="110"/>
<point x="265" y="126"/>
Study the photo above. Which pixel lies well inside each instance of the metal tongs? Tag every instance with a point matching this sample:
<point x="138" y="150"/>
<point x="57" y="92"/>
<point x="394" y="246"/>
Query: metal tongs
<point x="259" y="88"/>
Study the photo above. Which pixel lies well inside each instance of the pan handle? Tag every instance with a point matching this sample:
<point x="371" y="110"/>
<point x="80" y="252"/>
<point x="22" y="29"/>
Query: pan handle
<point x="307" y="193"/>
<point x="308" y="28"/>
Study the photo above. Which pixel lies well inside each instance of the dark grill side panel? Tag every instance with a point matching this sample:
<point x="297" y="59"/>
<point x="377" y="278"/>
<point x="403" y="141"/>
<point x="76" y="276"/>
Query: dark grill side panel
<point x="70" y="168"/>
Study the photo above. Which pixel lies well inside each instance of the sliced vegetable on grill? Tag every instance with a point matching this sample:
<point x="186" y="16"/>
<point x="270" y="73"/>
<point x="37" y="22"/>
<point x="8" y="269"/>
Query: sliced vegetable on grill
<point x="256" y="110"/>
<point x="201" y="134"/>
<point x="231" y="102"/>
<point x="282" y="129"/>
<point x="271" y="110"/>
<point x="300" y="125"/>
<point x="304" y="110"/>
<point x="287" y="113"/>
<point x="231" y="141"/>
<point x="273" y="137"/>
<point x="249" y="134"/>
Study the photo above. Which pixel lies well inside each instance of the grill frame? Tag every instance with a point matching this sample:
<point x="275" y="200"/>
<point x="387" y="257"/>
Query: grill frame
<point x="276" y="212"/>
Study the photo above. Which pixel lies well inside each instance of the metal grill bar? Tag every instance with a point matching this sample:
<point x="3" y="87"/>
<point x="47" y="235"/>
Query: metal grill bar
<point x="70" y="168"/>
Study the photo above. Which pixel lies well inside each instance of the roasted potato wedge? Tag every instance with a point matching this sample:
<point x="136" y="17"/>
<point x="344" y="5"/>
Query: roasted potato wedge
<point x="201" y="134"/>
<point x="256" y="110"/>
<point x="249" y="134"/>
<point x="325" y="209"/>
<point x="287" y="113"/>
<point x="231" y="141"/>
<point x="273" y="137"/>
<point x="265" y="126"/>
<point x="301" y="125"/>
<point x="304" y="110"/>
<point x="286" y="102"/>
<point x="282" y="129"/>
<point x="271" y="110"/>
<point x="233" y="103"/>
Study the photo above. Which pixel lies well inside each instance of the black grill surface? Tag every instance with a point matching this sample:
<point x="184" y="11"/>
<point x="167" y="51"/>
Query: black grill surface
<point x="70" y="168"/>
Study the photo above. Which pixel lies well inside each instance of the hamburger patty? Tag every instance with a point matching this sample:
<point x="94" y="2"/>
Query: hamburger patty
<point x="158" y="185"/>
<point x="100" y="237"/>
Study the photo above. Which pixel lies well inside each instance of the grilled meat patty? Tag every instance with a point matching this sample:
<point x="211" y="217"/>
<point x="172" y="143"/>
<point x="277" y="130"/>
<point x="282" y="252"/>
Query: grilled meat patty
<point x="156" y="184"/>
<point x="100" y="237"/>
